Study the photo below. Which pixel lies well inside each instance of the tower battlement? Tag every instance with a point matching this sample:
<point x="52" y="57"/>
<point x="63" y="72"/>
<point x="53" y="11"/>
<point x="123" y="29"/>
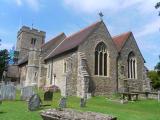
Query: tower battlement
<point x="31" y="30"/>
<point x="28" y="38"/>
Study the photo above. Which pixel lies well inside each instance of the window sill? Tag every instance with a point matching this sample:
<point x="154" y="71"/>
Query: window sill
<point x="132" y="78"/>
<point x="101" y="76"/>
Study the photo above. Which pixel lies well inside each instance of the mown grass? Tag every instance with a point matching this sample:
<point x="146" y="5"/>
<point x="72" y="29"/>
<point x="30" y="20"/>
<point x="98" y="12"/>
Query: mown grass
<point x="139" y="110"/>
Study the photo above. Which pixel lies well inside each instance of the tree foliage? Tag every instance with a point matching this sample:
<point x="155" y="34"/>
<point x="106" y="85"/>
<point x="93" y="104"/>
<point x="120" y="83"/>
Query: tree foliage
<point x="4" y="60"/>
<point x="153" y="75"/>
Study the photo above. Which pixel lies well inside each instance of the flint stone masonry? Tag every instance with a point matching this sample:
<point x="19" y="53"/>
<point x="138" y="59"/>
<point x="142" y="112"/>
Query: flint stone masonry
<point x="69" y="114"/>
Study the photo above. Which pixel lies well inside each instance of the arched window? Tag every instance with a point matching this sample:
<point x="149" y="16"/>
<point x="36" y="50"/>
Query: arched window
<point x="132" y="65"/>
<point x="101" y="59"/>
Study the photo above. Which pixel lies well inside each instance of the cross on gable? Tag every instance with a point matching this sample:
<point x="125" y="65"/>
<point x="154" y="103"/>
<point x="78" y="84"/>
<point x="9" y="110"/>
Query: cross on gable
<point x="101" y="15"/>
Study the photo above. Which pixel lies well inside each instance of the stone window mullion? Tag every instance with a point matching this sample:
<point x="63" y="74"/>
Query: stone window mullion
<point x="98" y="63"/>
<point x="103" y="63"/>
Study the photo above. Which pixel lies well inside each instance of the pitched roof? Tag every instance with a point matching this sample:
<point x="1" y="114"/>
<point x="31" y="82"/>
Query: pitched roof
<point x="51" y="44"/>
<point x="120" y="40"/>
<point x="73" y="41"/>
<point x="23" y="60"/>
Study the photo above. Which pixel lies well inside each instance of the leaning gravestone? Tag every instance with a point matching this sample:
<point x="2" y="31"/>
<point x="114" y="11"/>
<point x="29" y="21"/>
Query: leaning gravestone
<point x="48" y="96"/>
<point x="34" y="102"/>
<point x="82" y="102"/>
<point x="63" y="102"/>
<point x="8" y="92"/>
<point x="27" y="92"/>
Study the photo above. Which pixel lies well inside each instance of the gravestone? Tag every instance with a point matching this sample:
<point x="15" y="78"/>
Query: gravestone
<point x="158" y="96"/>
<point x="63" y="102"/>
<point x="48" y="96"/>
<point x="0" y="99"/>
<point x="82" y="102"/>
<point x="8" y="92"/>
<point x="27" y="92"/>
<point x="34" y="102"/>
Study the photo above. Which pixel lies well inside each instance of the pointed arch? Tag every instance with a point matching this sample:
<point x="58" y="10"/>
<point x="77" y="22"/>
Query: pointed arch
<point x="132" y="70"/>
<point x="101" y="59"/>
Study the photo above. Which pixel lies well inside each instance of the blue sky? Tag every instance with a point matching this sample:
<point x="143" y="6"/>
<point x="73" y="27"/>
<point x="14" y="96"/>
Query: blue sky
<point x="56" y="16"/>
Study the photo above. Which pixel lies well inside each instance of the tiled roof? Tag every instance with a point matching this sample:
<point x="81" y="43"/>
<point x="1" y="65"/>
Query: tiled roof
<point x="120" y="40"/>
<point x="51" y="44"/>
<point x="73" y="41"/>
<point x="45" y="45"/>
<point x="23" y="60"/>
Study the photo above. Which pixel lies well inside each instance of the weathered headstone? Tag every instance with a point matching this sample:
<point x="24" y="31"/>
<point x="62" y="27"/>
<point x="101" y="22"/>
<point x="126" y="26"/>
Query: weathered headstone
<point x="159" y="96"/>
<point x="0" y="99"/>
<point x="63" y="102"/>
<point x="27" y="92"/>
<point x="34" y="102"/>
<point x="48" y="96"/>
<point x="8" y="92"/>
<point x="83" y="102"/>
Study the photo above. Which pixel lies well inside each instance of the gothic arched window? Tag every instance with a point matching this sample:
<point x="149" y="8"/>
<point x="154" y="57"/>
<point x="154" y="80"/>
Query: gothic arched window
<point x="132" y="66"/>
<point x="101" y="59"/>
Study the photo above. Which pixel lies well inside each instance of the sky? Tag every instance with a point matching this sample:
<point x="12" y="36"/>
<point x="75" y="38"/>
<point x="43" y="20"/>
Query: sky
<point x="69" y="16"/>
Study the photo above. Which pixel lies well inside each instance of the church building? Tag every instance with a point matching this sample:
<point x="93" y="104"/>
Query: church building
<point x="88" y="62"/>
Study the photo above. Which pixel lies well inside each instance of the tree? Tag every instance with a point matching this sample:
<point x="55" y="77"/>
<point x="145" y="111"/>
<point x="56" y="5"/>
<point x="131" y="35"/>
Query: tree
<point x="4" y="60"/>
<point x="155" y="78"/>
<point x="157" y="67"/>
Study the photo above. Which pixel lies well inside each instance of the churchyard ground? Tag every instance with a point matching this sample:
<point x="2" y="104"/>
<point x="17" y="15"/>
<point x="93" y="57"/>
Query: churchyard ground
<point x="139" y="110"/>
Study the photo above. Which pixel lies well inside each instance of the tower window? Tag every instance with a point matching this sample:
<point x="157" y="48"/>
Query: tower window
<point x="33" y="41"/>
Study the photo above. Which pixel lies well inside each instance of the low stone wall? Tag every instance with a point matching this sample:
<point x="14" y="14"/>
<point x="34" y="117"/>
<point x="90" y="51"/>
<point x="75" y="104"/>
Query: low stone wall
<point x="69" y="114"/>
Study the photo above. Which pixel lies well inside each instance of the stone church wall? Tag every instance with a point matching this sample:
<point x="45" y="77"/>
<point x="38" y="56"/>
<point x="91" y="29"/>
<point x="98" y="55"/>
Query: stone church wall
<point x="100" y="85"/>
<point x="23" y="71"/>
<point x="135" y="84"/>
<point x="62" y="79"/>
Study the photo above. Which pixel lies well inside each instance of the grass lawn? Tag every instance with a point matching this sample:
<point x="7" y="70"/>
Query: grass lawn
<point x="140" y="110"/>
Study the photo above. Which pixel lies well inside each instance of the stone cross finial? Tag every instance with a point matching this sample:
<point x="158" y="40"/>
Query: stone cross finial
<point x="101" y="15"/>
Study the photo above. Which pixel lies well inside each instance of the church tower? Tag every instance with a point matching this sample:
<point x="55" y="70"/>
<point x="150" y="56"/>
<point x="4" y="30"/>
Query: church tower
<point x="28" y="38"/>
<point x="29" y="42"/>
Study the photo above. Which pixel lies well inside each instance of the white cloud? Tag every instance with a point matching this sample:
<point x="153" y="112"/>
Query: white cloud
<point x="18" y="2"/>
<point x="6" y="46"/>
<point x="149" y="28"/>
<point x="92" y="6"/>
<point x="33" y="4"/>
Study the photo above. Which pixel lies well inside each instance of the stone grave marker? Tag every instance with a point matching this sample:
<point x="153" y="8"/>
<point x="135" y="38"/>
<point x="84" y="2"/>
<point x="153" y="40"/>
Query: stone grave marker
<point x="27" y="92"/>
<point x="159" y="96"/>
<point x="48" y="95"/>
<point x="82" y="102"/>
<point x="0" y="99"/>
<point x="34" y="102"/>
<point x="8" y="92"/>
<point x="63" y="102"/>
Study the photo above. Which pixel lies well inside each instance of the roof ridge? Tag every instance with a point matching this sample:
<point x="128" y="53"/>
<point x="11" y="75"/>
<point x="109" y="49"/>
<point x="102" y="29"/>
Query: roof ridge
<point x="81" y="30"/>
<point x="73" y="35"/>
<point x="121" y="39"/>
